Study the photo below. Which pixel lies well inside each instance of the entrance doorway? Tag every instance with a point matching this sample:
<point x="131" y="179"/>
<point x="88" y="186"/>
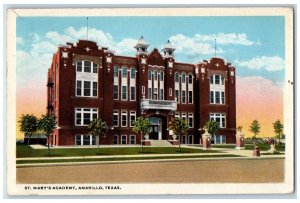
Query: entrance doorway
<point x="157" y="128"/>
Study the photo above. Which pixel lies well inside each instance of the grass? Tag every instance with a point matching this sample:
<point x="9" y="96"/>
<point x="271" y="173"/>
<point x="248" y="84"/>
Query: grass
<point x="25" y="151"/>
<point x="121" y="159"/>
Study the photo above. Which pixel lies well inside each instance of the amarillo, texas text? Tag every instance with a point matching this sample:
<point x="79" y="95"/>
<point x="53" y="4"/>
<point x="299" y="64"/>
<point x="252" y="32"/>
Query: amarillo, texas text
<point x="83" y="187"/>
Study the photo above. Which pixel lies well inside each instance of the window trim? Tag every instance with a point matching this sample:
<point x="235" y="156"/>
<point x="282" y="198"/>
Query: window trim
<point x="132" y="70"/>
<point x="123" y="75"/>
<point x="192" y="96"/>
<point x="91" y="88"/>
<point x="117" y="92"/>
<point x="81" y="111"/>
<point x="117" y="136"/>
<point x="222" y="115"/>
<point x="124" y="92"/>
<point x="116" y="112"/>
<point x="133" y="93"/>
<point x="122" y="139"/>
<point x="130" y="136"/>
<point x="191" y="115"/>
<point x="124" y="112"/>
<point x="92" y="67"/>
<point x="132" y="113"/>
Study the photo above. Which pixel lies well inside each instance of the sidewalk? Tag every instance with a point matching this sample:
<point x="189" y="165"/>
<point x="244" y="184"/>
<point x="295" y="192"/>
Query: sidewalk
<point x="243" y="154"/>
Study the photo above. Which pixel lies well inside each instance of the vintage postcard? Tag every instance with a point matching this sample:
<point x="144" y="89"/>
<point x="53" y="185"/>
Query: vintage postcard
<point x="150" y="101"/>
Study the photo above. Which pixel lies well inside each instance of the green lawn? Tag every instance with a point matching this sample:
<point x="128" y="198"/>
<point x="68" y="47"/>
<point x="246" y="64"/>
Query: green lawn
<point x="122" y="159"/>
<point x="25" y="151"/>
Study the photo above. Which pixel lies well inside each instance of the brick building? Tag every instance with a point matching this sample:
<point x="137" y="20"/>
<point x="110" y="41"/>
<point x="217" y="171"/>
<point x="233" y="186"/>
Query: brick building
<point x="86" y="81"/>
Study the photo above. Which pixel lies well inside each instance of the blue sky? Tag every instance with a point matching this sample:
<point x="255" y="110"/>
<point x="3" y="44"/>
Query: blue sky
<point x="254" y="45"/>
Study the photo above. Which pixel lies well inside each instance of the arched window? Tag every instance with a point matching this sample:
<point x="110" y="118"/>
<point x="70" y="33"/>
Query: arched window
<point x="176" y="77"/>
<point x="132" y="73"/>
<point x="124" y="72"/>
<point x="155" y="75"/>
<point x="161" y="76"/>
<point x="149" y="75"/>
<point x="190" y="79"/>
<point x="116" y="71"/>
<point x="183" y="77"/>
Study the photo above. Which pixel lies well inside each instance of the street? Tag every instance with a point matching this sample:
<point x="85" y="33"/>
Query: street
<point x="200" y="171"/>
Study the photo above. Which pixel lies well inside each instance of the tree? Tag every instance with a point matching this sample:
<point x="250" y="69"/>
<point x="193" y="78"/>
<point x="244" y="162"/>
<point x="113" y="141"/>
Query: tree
<point x="278" y="129"/>
<point x="212" y="127"/>
<point x="47" y="125"/>
<point x="179" y="127"/>
<point x="255" y="129"/>
<point x="98" y="128"/>
<point x="141" y="126"/>
<point x="28" y="125"/>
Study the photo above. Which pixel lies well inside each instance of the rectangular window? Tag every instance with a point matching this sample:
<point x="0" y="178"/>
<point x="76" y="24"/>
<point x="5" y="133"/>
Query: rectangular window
<point x="123" y="139"/>
<point x="191" y="120"/>
<point x="85" y="140"/>
<point x="170" y="91"/>
<point x="149" y="93"/>
<point x="79" y="66"/>
<point x="95" y="68"/>
<point x="87" y="88"/>
<point x="132" y="139"/>
<point x="212" y="98"/>
<point x="183" y="116"/>
<point x="217" y="97"/>
<point x="132" y="118"/>
<point x="220" y="118"/>
<point x="95" y="89"/>
<point x="85" y="116"/>
<point x="116" y="139"/>
<point x="177" y="95"/>
<point x="116" y="118"/>
<point x="124" y="119"/>
<point x="211" y="80"/>
<point x="78" y="87"/>
<point x="222" y="97"/>
<point x="78" y="140"/>
<point x="190" y="97"/>
<point x="116" y="92"/>
<point x="143" y="89"/>
<point x="87" y="66"/>
<point x="124" y="92"/>
<point x="161" y="95"/>
<point x="183" y="96"/>
<point x="177" y="115"/>
<point x="132" y="93"/>
<point x="217" y="79"/>
<point x="155" y="94"/>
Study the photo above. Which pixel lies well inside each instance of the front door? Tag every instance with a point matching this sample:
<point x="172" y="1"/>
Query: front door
<point x="155" y="128"/>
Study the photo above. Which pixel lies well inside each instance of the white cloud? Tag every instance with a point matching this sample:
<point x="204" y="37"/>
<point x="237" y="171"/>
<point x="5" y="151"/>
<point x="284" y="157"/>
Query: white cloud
<point x="192" y="46"/>
<point x="103" y="39"/>
<point x="20" y="40"/>
<point x="274" y="63"/>
<point x="226" y="39"/>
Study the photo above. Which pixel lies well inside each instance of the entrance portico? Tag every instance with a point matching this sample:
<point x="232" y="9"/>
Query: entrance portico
<point x="158" y="128"/>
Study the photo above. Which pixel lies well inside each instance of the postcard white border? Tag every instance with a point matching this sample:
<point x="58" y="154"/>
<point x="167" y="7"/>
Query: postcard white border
<point x="146" y="189"/>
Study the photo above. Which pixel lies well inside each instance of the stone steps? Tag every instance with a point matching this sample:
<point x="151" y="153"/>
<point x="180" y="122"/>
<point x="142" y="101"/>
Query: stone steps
<point x="160" y="143"/>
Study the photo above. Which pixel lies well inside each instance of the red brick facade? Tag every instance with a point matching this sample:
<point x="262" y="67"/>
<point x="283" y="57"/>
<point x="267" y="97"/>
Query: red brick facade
<point x="86" y="81"/>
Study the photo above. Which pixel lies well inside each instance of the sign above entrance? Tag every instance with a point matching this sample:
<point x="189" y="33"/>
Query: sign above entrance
<point x="158" y="104"/>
